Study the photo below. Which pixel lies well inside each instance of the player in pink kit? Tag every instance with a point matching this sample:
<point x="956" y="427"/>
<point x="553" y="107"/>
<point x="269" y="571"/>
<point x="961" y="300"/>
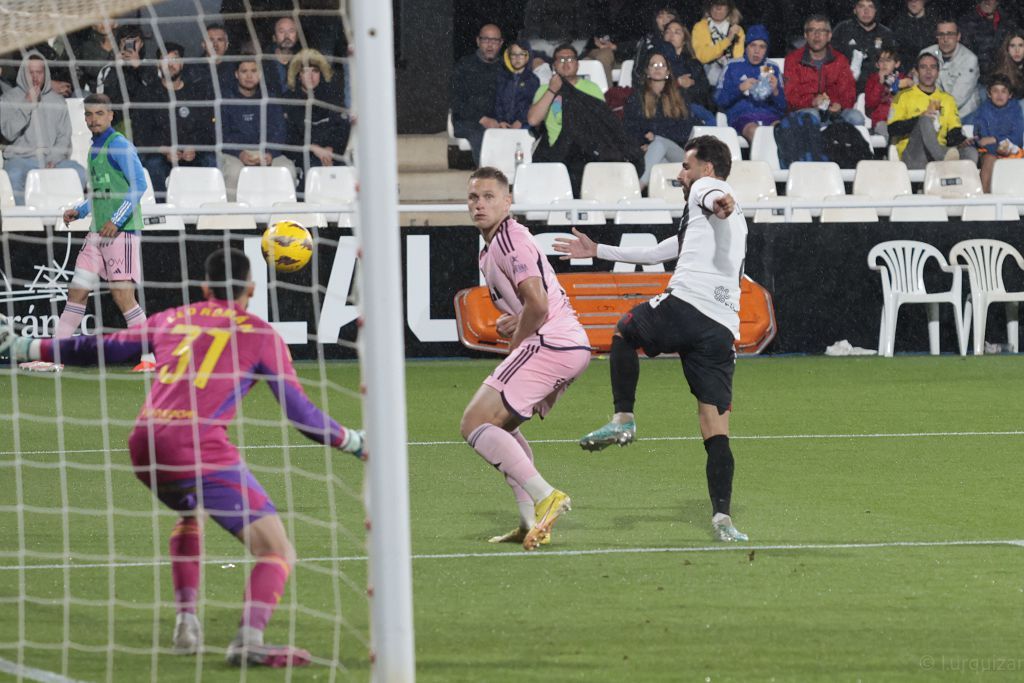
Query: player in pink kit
<point x="548" y="350"/>
<point x="208" y="356"/>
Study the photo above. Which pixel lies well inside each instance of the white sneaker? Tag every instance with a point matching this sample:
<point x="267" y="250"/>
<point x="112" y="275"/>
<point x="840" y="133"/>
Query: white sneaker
<point x="723" y="530"/>
<point x="188" y="635"/>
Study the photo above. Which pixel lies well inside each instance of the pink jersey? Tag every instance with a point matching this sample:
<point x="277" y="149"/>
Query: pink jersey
<point x="208" y="356"/>
<point x="513" y="256"/>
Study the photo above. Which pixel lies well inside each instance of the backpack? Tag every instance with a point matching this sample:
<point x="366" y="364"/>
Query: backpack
<point x="798" y="137"/>
<point x="845" y="145"/>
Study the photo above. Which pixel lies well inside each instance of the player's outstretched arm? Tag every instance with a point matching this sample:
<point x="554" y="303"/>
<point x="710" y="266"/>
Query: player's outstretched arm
<point x="123" y="347"/>
<point x="581" y="247"/>
<point x="723" y="206"/>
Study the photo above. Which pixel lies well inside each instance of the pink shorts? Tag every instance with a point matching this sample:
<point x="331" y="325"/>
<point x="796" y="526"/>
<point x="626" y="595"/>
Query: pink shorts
<point x="534" y="376"/>
<point x="113" y="259"/>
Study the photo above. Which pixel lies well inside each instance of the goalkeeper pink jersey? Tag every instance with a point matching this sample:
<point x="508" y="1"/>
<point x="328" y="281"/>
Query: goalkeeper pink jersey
<point x="208" y="357"/>
<point x="513" y="256"/>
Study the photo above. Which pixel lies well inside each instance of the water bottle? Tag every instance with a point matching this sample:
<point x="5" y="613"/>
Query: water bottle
<point x="519" y="154"/>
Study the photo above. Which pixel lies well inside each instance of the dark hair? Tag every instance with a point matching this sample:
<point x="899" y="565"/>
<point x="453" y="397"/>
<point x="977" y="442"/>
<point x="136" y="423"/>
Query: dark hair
<point x="819" y="19"/>
<point x="490" y="173"/>
<point x="948" y="20"/>
<point x="227" y="273"/>
<point x="857" y="2"/>
<point x="565" y="46"/>
<point x="216" y="27"/>
<point x="122" y="32"/>
<point x="999" y="79"/>
<point x="713" y="151"/>
<point x="97" y="98"/>
<point x="170" y="47"/>
<point x="926" y="55"/>
<point x="889" y="48"/>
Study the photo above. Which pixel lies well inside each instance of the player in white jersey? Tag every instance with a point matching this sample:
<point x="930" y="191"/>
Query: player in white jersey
<point x="548" y="350"/>
<point x="698" y="317"/>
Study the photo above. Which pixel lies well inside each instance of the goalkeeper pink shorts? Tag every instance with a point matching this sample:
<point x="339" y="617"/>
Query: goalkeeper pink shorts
<point x="114" y="259"/>
<point x="534" y="376"/>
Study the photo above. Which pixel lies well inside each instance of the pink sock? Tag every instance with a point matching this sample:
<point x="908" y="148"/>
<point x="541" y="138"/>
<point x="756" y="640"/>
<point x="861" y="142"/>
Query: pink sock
<point x="186" y="545"/>
<point x="502" y="450"/>
<point x="135" y="316"/>
<point x="69" y="320"/>
<point x="266" y="584"/>
<point x="521" y="495"/>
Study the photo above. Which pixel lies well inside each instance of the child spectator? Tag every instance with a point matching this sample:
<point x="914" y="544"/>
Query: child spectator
<point x="1009" y="62"/>
<point x="718" y="38"/>
<point x="517" y="85"/>
<point x="882" y="86"/>
<point x="999" y="128"/>
<point x="751" y="89"/>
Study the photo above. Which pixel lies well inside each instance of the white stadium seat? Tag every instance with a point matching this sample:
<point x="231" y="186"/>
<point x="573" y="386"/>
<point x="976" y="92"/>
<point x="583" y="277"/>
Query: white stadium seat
<point x="593" y="70"/>
<point x="751" y="181"/>
<point x="499" y="149"/>
<point x="881" y="179"/>
<point x="726" y="134"/>
<point x="7" y="201"/>
<point x="332" y="185"/>
<point x="541" y="184"/>
<point x="813" y="180"/>
<point x="52" y="190"/>
<point x="952" y="180"/>
<point x="610" y="181"/>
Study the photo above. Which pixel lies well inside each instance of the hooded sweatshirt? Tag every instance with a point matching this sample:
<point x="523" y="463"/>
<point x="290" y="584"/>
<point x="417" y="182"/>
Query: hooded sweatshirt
<point x="40" y="129"/>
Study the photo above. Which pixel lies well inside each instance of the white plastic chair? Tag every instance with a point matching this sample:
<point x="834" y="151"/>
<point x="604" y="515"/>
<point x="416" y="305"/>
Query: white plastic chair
<point x="541" y="184"/>
<point x="583" y="215"/>
<point x="658" y="212"/>
<point x="52" y="190"/>
<point x="751" y="181"/>
<point x="191" y="187"/>
<point x="265" y="185"/>
<point x="7" y="202"/>
<point x="333" y="185"/>
<point x="726" y="134"/>
<point x="952" y="180"/>
<point x="813" y="180"/>
<point x="984" y="261"/>
<point x="499" y="149"/>
<point x="901" y="263"/>
<point x="665" y="185"/>
<point x="593" y="70"/>
<point x="881" y="179"/>
<point x="763" y="147"/>
<point x="610" y="181"/>
<point x="626" y="74"/>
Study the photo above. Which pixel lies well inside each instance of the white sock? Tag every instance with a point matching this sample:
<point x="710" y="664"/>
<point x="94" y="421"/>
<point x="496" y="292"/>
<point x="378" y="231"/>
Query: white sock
<point x="526" y="514"/>
<point x="538" y="490"/>
<point x="622" y="418"/>
<point x="249" y="635"/>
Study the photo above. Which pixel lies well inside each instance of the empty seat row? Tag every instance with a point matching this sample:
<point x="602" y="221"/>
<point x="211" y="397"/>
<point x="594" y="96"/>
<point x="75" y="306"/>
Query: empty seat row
<point x="50" y="191"/>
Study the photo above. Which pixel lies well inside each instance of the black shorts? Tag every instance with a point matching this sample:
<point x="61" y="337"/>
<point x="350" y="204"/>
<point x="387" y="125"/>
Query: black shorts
<point x="704" y="346"/>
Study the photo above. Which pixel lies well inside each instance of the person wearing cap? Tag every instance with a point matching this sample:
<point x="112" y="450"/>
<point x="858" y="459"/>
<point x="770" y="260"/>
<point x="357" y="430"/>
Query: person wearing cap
<point x="516" y="86"/>
<point x="751" y="93"/>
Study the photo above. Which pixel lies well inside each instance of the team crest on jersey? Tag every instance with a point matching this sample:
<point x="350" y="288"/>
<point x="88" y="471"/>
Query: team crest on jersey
<point x="722" y="295"/>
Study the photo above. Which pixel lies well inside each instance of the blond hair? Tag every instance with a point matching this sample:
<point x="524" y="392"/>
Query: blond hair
<point x="308" y="57"/>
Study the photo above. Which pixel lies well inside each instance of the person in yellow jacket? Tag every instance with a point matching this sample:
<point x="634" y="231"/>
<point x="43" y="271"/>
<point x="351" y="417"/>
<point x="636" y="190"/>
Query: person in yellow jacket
<point x="718" y="38"/>
<point x="924" y="123"/>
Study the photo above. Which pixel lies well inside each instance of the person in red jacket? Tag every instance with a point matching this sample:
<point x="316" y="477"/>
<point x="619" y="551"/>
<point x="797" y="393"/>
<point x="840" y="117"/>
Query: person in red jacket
<point x="882" y="86"/>
<point x="818" y="78"/>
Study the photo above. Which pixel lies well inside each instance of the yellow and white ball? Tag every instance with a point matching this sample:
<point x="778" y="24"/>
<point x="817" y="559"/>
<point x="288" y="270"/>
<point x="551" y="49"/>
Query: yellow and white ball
<point x="287" y="246"/>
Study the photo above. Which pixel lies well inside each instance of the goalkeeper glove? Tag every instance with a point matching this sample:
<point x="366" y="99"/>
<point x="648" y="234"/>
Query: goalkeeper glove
<point x="13" y="346"/>
<point x="354" y="442"/>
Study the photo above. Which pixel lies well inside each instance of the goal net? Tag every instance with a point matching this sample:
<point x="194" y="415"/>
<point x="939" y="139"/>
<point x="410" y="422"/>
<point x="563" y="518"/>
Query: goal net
<point x="86" y="579"/>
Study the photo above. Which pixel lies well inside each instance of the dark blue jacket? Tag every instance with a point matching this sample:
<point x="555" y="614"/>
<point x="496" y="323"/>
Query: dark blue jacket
<point x="685" y="65"/>
<point x="515" y="95"/>
<point x="736" y="103"/>
<point x="676" y="130"/>
<point x="241" y="124"/>
<point x="1002" y="123"/>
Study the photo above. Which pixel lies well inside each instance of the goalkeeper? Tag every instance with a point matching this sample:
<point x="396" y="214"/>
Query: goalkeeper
<point x="208" y="355"/>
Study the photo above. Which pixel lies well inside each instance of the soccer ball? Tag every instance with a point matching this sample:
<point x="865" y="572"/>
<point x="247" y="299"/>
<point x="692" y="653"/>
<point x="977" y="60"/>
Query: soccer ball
<point x="287" y="246"/>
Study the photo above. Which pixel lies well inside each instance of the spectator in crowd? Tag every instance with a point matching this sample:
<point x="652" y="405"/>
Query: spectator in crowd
<point x="549" y="23"/>
<point x="652" y="40"/>
<point x="93" y="48"/>
<point x="923" y="120"/>
<point x="279" y="56"/>
<point x="914" y="29"/>
<point x="959" y="69"/>
<point x="998" y="128"/>
<point x="35" y="121"/>
<point x="687" y="73"/>
<point x="517" y="85"/>
<point x="176" y="133"/>
<point x="751" y="91"/>
<point x="717" y="38"/>
<point x="656" y="117"/>
<point x="1009" y="62"/>
<point x="882" y="87"/>
<point x="578" y="126"/>
<point x="984" y="29"/>
<point x="474" y="87"/>
<point x="127" y="79"/>
<point x="818" y="78"/>
<point x="317" y="130"/>
<point x="57" y="57"/>
<point x="605" y="50"/>
<point x="215" y="47"/>
<point x="243" y="124"/>
<point x="860" y="38"/>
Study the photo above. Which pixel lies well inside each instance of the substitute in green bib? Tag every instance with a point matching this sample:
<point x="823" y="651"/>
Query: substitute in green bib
<point x="112" y="249"/>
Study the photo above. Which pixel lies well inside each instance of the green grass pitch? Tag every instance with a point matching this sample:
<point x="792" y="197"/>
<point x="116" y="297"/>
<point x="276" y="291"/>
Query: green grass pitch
<point x="882" y="498"/>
